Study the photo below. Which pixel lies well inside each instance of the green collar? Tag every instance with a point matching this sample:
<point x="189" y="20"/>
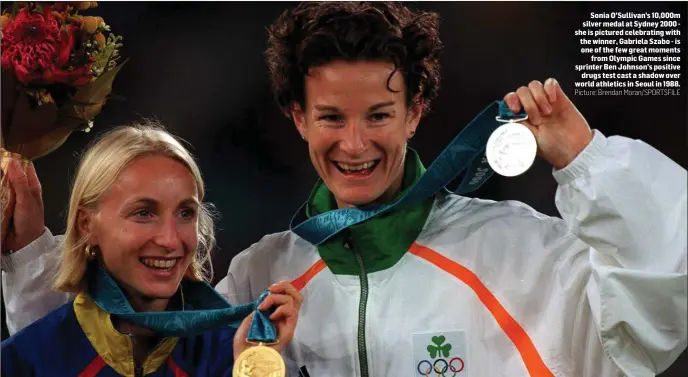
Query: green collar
<point x="380" y="241"/>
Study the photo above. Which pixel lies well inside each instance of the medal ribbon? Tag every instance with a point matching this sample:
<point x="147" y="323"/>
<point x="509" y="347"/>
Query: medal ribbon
<point x="204" y="309"/>
<point x="467" y="149"/>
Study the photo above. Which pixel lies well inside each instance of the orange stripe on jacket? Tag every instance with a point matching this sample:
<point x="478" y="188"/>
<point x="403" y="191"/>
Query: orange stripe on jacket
<point x="529" y="354"/>
<point x="302" y="280"/>
<point x="93" y="368"/>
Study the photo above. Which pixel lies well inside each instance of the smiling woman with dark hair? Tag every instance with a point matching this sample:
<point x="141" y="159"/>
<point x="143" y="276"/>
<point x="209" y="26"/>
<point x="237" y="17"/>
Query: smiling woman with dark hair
<point x="450" y="283"/>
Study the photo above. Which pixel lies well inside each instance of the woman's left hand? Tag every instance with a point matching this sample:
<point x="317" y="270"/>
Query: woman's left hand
<point x="559" y="128"/>
<point x="288" y="301"/>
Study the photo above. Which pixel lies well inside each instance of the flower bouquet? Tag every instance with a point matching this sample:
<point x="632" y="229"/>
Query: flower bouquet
<point x="58" y="66"/>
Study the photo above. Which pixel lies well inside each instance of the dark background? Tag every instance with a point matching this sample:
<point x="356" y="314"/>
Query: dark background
<point x="199" y="69"/>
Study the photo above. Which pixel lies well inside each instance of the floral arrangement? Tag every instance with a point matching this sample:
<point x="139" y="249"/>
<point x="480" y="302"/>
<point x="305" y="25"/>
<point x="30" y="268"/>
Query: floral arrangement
<point x="57" y="71"/>
<point x="58" y="65"/>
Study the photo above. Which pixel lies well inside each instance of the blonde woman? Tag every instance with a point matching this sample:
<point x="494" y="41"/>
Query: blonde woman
<point x="136" y="219"/>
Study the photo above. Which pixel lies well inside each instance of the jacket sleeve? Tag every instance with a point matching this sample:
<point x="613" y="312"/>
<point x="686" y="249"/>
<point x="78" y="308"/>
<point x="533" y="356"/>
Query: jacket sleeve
<point x="627" y="201"/>
<point x="227" y="287"/>
<point x="27" y="278"/>
<point x="236" y="286"/>
<point x="244" y="268"/>
<point x="221" y="349"/>
<point x="13" y="363"/>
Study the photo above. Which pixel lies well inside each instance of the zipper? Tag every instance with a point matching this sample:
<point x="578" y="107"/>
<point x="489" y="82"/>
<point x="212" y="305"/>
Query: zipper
<point x="138" y="371"/>
<point x="362" y="350"/>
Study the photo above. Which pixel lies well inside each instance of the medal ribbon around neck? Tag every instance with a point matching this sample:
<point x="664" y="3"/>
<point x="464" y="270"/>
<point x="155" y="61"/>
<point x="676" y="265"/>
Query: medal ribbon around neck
<point x="206" y="310"/>
<point x="467" y="150"/>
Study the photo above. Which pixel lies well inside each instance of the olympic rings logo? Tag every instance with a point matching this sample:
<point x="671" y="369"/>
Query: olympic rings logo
<point x="455" y="365"/>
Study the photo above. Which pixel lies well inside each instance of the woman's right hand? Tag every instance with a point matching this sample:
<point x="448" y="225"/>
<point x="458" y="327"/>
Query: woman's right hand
<point x="288" y="301"/>
<point x="26" y="220"/>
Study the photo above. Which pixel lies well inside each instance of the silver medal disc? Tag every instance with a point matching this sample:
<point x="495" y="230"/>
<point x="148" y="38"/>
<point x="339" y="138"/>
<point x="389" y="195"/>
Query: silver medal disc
<point x="511" y="149"/>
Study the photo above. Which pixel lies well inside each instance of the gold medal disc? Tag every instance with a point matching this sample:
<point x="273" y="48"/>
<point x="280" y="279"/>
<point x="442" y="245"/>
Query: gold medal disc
<point x="259" y="361"/>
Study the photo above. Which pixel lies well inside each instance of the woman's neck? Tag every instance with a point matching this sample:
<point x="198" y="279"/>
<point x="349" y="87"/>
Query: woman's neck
<point x="143" y="304"/>
<point x="140" y="304"/>
<point x="144" y="340"/>
<point x="128" y="328"/>
<point x="148" y="304"/>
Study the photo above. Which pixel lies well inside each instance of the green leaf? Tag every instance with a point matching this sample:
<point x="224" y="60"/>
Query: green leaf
<point x="88" y="100"/>
<point x="47" y="144"/>
<point x="438" y="339"/>
<point x="100" y="88"/>
<point x="445" y="349"/>
<point x="433" y="351"/>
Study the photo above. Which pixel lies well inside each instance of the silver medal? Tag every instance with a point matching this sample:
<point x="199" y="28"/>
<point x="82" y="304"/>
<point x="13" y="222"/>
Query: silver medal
<point x="511" y="149"/>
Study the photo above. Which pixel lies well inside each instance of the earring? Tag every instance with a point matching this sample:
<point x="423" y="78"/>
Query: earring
<point x="411" y="133"/>
<point x="90" y="253"/>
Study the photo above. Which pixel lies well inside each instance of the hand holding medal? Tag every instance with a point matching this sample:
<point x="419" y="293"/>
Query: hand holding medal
<point x="539" y="120"/>
<point x="257" y="347"/>
<point x="557" y="130"/>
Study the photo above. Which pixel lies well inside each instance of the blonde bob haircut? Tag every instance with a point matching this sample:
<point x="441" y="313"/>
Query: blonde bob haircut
<point x="98" y="170"/>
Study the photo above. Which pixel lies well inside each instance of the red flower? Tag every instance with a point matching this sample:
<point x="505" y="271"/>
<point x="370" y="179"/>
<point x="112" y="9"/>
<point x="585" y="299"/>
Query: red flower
<point x="29" y="44"/>
<point x="66" y="44"/>
<point x="39" y="52"/>
<point x="62" y="72"/>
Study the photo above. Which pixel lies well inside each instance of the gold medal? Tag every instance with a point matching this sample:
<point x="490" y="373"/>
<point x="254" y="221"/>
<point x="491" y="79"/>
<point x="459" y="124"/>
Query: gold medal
<point x="259" y="361"/>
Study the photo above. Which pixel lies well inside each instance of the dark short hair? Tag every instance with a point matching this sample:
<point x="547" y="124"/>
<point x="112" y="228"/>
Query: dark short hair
<point x="315" y="33"/>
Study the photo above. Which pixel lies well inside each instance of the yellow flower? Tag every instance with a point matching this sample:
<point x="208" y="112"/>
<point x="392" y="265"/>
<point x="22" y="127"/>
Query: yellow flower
<point x="90" y="24"/>
<point x="5" y="20"/>
<point x="83" y="5"/>
<point x="75" y="19"/>
<point x="100" y="39"/>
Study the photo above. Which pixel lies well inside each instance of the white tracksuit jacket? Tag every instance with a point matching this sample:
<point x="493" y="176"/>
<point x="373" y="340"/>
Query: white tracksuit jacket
<point x="488" y="288"/>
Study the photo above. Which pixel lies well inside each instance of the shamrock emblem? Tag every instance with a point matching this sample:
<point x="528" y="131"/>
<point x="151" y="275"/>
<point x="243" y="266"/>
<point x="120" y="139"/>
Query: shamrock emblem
<point x="438" y="347"/>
